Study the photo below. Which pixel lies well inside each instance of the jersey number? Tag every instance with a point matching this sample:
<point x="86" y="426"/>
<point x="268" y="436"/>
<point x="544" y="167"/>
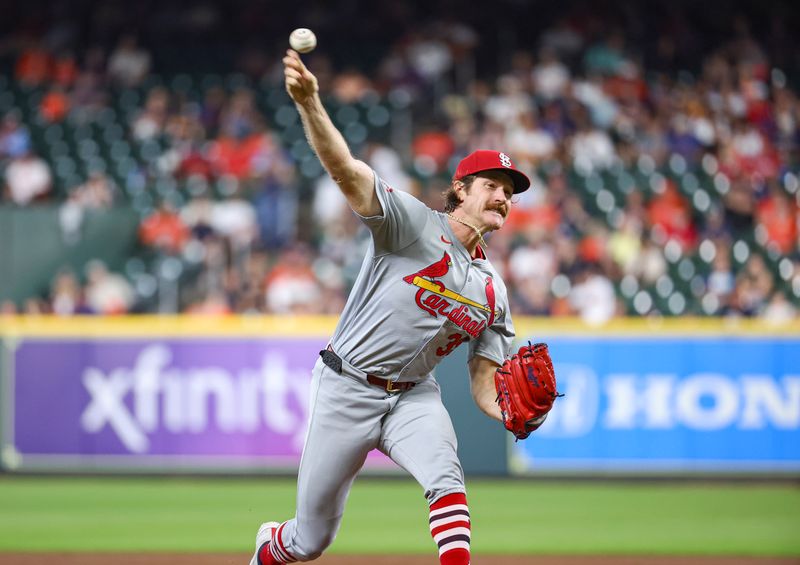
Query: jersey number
<point x="453" y="341"/>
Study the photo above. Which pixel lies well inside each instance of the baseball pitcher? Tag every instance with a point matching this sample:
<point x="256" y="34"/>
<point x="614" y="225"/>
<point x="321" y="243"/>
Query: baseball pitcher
<point x="425" y="288"/>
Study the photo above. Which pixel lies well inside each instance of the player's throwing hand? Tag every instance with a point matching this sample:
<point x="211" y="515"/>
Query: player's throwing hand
<point x="301" y="84"/>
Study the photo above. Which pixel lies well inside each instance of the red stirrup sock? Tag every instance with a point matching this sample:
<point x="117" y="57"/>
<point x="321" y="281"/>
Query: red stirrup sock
<point x="274" y="552"/>
<point x="449" y="522"/>
<point x="265" y="557"/>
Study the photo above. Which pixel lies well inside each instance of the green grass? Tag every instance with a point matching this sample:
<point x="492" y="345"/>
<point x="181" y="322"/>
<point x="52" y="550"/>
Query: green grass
<point x="523" y="517"/>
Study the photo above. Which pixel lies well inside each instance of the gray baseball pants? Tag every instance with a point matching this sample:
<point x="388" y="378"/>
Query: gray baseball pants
<point x="349" y="418"/>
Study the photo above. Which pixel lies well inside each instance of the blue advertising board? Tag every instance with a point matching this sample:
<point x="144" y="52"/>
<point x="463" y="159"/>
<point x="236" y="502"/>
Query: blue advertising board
<point x="670" y="404"/>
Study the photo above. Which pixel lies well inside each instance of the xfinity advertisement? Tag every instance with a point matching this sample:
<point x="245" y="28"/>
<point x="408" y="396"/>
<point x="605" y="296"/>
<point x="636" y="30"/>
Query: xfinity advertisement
<point x="693" y="404"/>
<point x="179" y="402"/>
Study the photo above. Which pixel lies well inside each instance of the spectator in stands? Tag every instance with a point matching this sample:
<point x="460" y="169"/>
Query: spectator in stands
<point x="740" y="206"/>
<point x="27" y="179"/>
<point x="625" y="243"/>
<point x="432" y="149"/>
<point x="754" y="286"/>
<point x="55" y="105"/>
<point x="780" y="218"/>
<point x="682" y="141"/>
<point x="240" y="116"/>
<point x="351" y="86"/>
<point x="185" y="156"/>
<point x="33" y="64"/>
<point x="197" y="215"/>
<point x="291" y="287"/>
<point x="152" y="120"/>
<point x="389" y="165"/>
<point x="14" y="137"/>
<point x="749" y="152"/>
<point x="550" y="76"/>
<point x="35" y="306"/>
<point x="107" y="292"/>
<point x="89" y="95"/>
<point x="721" y="281"/>
<point x="779" y="310"/>
<point x="275" y="194"/>
<point x="65" y="69"/>
<point x="592" y="296"/>
<point x="669" y="214"/>
<point x="510" y="103"/>
<point x="212" y="108"/>
<point x="244" y="140"/>
<point x="530" y="144"/>
<point x="565" y="38"/>
<point x="236" y="220"/>
<point x="214" y="303"/>
<point x="66" y="295"/>
<point x="429" y="56"/>
<point x="607" y="56"/>
<point x="650" y="137"/>
<point x="532" y="298"/>
<point x="97" y="192"/>
<point x="329" y="207"/>
<point x="602" y="110"/>
<point x="164" y="230"/>
<point x="129" y="63"/>
<point x="591" y="148"/>
<point x="650" y="264"/>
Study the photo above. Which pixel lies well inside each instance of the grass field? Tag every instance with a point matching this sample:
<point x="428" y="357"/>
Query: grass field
<point x="46" y="514"/>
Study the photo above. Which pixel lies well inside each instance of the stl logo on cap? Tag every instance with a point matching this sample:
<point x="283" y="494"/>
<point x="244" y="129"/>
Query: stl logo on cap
<point x="487" y="160"/>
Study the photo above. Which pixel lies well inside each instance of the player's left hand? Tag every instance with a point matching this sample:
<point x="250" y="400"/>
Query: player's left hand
<point x="526" y="389"/>
<point x="301" y="84"/>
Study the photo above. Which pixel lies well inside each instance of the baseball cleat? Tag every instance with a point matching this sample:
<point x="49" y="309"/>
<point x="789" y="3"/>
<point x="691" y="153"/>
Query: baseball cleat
<point x="265" y="533"/>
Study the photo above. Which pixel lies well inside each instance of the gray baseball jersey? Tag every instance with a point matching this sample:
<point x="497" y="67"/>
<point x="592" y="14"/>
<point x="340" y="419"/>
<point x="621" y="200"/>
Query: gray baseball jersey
<point x="419" y="295"/>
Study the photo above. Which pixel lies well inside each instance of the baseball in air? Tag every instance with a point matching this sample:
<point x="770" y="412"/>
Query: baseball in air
<point x="303" y="40"/>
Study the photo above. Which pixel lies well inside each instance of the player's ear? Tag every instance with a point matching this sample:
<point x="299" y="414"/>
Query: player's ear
<point x="459" y="187"/>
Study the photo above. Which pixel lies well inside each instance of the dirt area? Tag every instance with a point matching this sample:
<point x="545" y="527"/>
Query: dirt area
<point x="239" y="559"/>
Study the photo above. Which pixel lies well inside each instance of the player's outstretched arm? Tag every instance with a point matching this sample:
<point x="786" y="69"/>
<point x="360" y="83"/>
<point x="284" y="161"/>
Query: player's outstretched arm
<point x="354" y="177"/>
<point x="481" y="371"/>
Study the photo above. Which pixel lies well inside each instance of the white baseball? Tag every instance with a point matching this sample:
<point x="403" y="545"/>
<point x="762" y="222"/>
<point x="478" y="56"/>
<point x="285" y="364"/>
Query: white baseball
<point x="303" y="40"/>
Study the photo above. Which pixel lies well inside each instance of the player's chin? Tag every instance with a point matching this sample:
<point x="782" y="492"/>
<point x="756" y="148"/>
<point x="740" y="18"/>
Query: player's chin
<point x="495" y="220"/>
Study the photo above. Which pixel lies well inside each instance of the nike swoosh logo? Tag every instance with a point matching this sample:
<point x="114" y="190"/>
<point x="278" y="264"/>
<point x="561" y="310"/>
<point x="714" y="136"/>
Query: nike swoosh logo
<point x="447" y="241"/>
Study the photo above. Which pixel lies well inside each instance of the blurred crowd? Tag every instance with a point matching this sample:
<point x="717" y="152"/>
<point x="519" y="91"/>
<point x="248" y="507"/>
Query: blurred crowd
<point x="665" y="169"/>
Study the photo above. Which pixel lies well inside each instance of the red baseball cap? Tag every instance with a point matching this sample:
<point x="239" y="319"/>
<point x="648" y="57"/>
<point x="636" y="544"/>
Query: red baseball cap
<point x="486" y="160"/>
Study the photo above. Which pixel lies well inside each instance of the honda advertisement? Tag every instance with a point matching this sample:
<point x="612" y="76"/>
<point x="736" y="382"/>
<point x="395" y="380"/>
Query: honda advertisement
<point x="673" y="404"/>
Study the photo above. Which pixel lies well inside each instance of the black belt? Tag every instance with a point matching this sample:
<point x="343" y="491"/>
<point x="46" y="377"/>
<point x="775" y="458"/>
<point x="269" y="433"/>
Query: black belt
<point x="335" y="362"/>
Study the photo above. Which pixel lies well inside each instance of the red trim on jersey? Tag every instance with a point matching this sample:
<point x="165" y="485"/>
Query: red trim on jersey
<point x="490" y="299"/>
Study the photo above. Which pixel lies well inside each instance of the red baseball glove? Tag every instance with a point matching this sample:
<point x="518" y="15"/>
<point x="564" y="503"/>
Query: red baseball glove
<point x="526" y="389"/>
